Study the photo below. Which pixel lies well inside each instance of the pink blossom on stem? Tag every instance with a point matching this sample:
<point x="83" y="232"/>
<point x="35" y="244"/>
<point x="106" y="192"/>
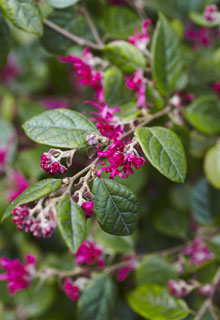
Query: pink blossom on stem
<point x="180" y="288"/>
<point x="71" y="290"/>
<point x="51" y="165"/>
<point x="107" y="122"/>
<point x="10" y="71"/>
<point x="90" y="253"/>
<point x="198" y="252"/>
<point x="198" y="36"/>
<point x="88" y="206"/>
<point x="182" y="98"/>
<point x="216" y="88"/>
<point x="210" y="13"/>
<point x="140" y="41"/>
<point x="51" y="103"/>
<point x="20" y="184"/>
<point x="123" y="273"/>
<point x="206" y="290"/>
<point x="136" y="82"/>
<point x="120" y="159"/>
<point x="19" y="276"/>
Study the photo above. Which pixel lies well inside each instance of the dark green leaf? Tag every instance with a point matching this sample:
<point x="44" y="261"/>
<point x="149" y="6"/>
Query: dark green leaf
<point x="154" y="269"/>
<point x="71" y="222"/>
<point x="34" y="192"/>
<point x="113" y="85"/>
<point x="24" y="14"/>
<point x="199" y="143"/>
<point x="116" y="207"/>
<point x="204" y="114"/>
<point x="214" y="246"/>
<point x="62" y="3"/>
<point x="60" y="128"/>
<point x="125" y="56"/>
<point x="212" y="166"/>
<point x="155" y="98"/>
<point x="98" y="300"/>
<point x="167" y="61"/>
<point x="155" y="303"/>
<point x="128" y="111"/>
<point x="5" y="41"/>
<point x="164" y="150"/>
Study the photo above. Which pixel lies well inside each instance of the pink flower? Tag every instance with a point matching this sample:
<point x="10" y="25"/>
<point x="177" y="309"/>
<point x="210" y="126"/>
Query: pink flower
<point x="88" y="206"/>
<point x="51" y="165"/>
<point x="136" y="82"/>
<point x="140" y="41"/>
<point x="21" y="184"/>
<point x="180" y="288"/>
<point x="123" y="273"/>
<point x="216" y="88"/>
<point x="210" y="13"/>
<point x="198" y="36"/>
<point x="206" y="290"/>
<point x="18" y="276"/>
<point x="51" y="103"/>
<point x="71" y="290"/>
<point x="198" y="252"/>
<point x="120" y="159"/>
<point x="87" y="73"/>
<point x="11" y="71"/>
<point x="182" y="98"/>
<point x="90" y="253"/>
<point x="106" y="122"/>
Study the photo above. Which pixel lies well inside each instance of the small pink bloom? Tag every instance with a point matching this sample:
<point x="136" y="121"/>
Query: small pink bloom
<point x="216" y="88"/>
<point x="198" y="252"/>
<point x="51" y="165"/>
<point x="180" y="288"/>
<point x="198" y="36"/>
<point x="51" y="103"/>
<point x="123" y="273"/>
<point x="11" y="71"/>
<point x="136" y="82"/>
<point x="71" y="290"/>
<point x="90" y="253"/>
<point x="19" y="276"/>
<point x="140" y="41"/>
<point x="206" y="290"/>
<point x="21" y="184"/>
<point x="88" y="206"/>
<point x="210" y="13"/>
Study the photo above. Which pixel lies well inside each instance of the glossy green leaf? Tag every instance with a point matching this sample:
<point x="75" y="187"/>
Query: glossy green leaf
<point x="128" y="111"/>
<point x="154" y="269"/>
<point x="24" y="14"/>
<point x="62" y="3"/>
<point x="5" y="41"/>
<point x="212" y="166"/>
<point x="172" y="223"/>
<point x="60" y="128"/>
<point x="155" y="303"/>
<point x="71" y="222"/>
<point x="164" y="150"/>
<point x="116" y="207"/>
<point x="98" y="300"/>
<point x="214" y="246"/>
<point x="154" y="97"/>
<point x="200" y="20"/>
<point x="199" y="143"/>
<point x="125" y="56"/>
<point x="33" y="193"/>
<point x="167" y="60"/>
<point x="113" y="85"/>
<point x="123" y="24"/>
<point x="115" y="243"/>
<point x="204" y="114"/>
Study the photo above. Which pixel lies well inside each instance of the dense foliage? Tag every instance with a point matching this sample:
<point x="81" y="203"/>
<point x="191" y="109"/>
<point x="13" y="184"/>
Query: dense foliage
<point x="109" y="159"/>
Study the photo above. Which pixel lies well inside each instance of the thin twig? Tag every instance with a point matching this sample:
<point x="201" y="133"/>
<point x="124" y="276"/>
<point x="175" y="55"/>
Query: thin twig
<point x="92" y="25"/>
<point x="72" y="36"/>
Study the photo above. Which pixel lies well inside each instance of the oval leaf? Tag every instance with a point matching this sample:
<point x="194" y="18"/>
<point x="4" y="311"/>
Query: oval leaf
<point x="62" y="3"/>
<point x="154" y="302"/>
<point x="200" y="20"/>
<point x="164" y="150"/>
<point x="125" y="56"/>
<point x="204" y="114"/>
<point x="5" y="36"/>
<point x="212" y="166"/>
<point x="116" y="207"/>
<point x="34" y="192"/>
<point x="113" y="85"/>
<point x="98" y="300"/>
<point x="59" y="128"/>
<point x="167" y="60"/>
<point x="24" y="14"/>
<point x="71" y="222"/>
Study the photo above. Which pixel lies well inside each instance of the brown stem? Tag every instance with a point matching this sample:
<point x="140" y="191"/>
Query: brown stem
<point x="72" y="36"/>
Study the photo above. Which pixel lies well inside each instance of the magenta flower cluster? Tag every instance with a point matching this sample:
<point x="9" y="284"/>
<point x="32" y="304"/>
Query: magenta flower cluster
<point x="90" y="253"/>
<point x="198" y="252"/>
<point x="71" y="290"/>
<point x="51" y="165"/>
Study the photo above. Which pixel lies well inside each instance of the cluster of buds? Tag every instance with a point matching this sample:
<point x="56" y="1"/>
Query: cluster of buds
<point x="211" y="13"/>
<point x="180" y="288"/>
<point x="39" y="221"/>
<point x="94" y="140"/>
<point x="198" y="252"/>
<point x="19" y="276"/>
<point x="71" y="290"/>
<point x="90" y="253"/>
<point x="140" y="41"/>
<point x="50" y="161"/>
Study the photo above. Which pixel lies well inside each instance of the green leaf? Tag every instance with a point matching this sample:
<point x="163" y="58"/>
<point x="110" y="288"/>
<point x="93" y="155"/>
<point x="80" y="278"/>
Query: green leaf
<point x="153" y="269"/>
<point x="167" y="59"/>
<point x="155" y="303"/>
<point x="34" y="192"/>
<point x="125" y="56"/>
<point x="71" y="222"/>
<point x="173" y="223"/>
<point x="24" y="14"/>
<point x="115" y="243"/>
<point x="113" y="85"/>
<point x="164" y="150"/>
<point x="98" y="300"/>
<point x="116" y="207"/>
<point x="123" y="24"/>
<point x="212" y="166"/>
<point x="200" y="20"/>
<point x="204" y="203"/>
<point x="62" y="3"/>
<point x="214" y="246"/>
<point x="204" y="114"/>
<point x="199" y="143"/>
<point x="5" y="41"/>
<point x="128" y="111"/>
<point x="8" y="139"/>
<point x="155" y="98"/>
<point x="60" y="128"/>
